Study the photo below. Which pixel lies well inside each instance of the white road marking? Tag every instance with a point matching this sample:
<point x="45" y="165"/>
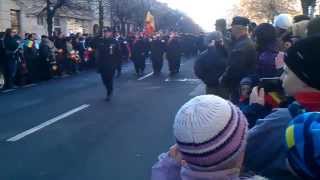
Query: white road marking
<point x="181" y="80"/>
<point x="146" y="76"/>
<point x="47" y="123"/>
<point x="153" y="88"/>
<point x="29" y="85"/>
<point x="8" y="90"/>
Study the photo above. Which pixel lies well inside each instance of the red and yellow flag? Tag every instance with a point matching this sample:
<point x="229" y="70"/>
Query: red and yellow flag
<point x="150" y="26"/>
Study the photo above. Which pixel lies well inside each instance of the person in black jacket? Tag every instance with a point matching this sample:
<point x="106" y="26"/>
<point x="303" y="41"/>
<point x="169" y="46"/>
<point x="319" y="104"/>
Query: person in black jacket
<point x="11" y="45"/>
<point x="242" y="59"/>
<point x="139" y="55"/>
<point x="211" y="64"/>
<point x="158" y="46"/>
<point x="174" y="54"/>
<point x="107" y="53"/>
<point x="46" y="55"/>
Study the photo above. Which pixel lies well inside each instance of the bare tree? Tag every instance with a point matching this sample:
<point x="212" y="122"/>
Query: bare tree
<point x="308" y="4"/>
<point x="265" y="10"/>
<point x="51" y="9"/>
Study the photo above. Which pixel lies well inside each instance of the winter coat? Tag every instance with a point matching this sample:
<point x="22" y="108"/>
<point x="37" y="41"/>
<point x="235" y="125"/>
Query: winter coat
<point x="266" y="145"/>
<point x="168" y="169"/>
<point x="210" y="65"/>
<point x="173" y="49"/>
<point x="266" y="62"/>
<point x="266" y="148"/>
<point x="10" y="44"/>
<point x="242" y="62"/>
<point x="139" y="50"/>
<point x="47" y="50"/>
<point x="107" y="52"/>
<point x="61" y="44"/>
<point x="157" y="49"/>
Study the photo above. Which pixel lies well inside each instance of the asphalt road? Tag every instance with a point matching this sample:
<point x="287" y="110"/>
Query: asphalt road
<point x="64" y="130"/>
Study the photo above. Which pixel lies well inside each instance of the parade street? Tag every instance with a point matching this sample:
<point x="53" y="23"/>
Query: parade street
<point x="63" y="129"/>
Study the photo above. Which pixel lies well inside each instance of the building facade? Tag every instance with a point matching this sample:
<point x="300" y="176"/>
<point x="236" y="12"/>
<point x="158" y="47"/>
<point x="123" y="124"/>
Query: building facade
<point x="27" y="16"/>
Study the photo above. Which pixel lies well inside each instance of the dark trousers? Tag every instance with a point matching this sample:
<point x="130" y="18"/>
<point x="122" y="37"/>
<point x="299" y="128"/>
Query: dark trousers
<point x="119" y="67"/>
<point x="157" y="64"/>
<point x="107" y="74"/>
<point x="139" y="65"/>
<point x="9" y="71"/>
<point x="174" y="64"/>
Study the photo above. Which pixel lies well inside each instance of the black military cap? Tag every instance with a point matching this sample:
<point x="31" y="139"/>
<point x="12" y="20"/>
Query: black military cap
<point x="242" y="21"/>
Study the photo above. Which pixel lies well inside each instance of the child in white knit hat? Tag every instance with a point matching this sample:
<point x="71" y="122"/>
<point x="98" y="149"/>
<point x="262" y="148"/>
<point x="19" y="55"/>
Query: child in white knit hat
<point x="211" y="137"/>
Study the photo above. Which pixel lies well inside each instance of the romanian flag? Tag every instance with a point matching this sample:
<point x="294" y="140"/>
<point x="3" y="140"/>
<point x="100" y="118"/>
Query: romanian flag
<point x="149" y="24"/>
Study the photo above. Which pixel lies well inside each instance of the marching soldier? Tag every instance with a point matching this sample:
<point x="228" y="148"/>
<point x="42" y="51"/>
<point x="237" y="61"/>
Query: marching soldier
<point x="107" y="53"/>
<point x="139" y="55"/>
<point x="174" y="54"/>
<point x="157" y="50"/>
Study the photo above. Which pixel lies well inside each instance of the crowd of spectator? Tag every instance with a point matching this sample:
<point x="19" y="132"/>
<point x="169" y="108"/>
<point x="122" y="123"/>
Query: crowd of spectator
<point x="260" y="117"/>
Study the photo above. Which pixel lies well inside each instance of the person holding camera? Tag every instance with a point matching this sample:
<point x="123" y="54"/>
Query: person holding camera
<point x="267" y="138"/>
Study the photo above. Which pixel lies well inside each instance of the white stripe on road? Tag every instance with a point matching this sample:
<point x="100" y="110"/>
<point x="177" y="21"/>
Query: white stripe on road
<point x="181" y="80"/>
<point x="146" y="76"/>
<point x="47" y="123"/>
<point x="29" y="85"/>
<point x="8" y="90"/>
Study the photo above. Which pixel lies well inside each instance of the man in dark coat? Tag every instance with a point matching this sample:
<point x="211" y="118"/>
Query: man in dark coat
<point x="139" y="55"/>
<point x="210" y="65"/>
<point x="174" y="54"/>
<point x="124" y="53"/>
<point x="158" y="46"/>
<point x="242" y="58"/>
<point x="11" y="45"/>
<point x="107" y="52"/>
<point x="46" y="55"/>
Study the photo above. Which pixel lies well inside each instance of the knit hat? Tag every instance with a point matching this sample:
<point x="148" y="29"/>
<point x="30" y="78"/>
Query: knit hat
<point x="303" y="59"/>
<point x="303" y="143"/>
<point x="246" y="81"/>
<point x="283" y="21"/>
<point x="210" y="132"/>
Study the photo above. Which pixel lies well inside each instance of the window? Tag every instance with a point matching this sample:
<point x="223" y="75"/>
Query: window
<point x="15" y="20"/>
<point x="56" y="21"/>
<point x="40" y="20"/>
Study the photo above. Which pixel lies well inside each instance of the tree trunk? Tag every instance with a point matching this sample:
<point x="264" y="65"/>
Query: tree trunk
<point x="50" y="24"/>
<point x="305" y="7"/>
<point x="122" y="26"/>
<point x="101" y="13"/>
<point x="50" y="15"/>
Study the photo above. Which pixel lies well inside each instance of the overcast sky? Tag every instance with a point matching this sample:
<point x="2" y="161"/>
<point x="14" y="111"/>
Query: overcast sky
<point x="203" y="12"/>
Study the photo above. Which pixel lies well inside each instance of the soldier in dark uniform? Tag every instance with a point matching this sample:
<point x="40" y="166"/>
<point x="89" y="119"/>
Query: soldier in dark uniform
<point x="124" y="53"/>
<point x="158" y="46"/>
<point x="138" y="55"/>
<point x="174" y="54"/>
<point x="107" y="53"/>
<point x="119" y="40"/>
